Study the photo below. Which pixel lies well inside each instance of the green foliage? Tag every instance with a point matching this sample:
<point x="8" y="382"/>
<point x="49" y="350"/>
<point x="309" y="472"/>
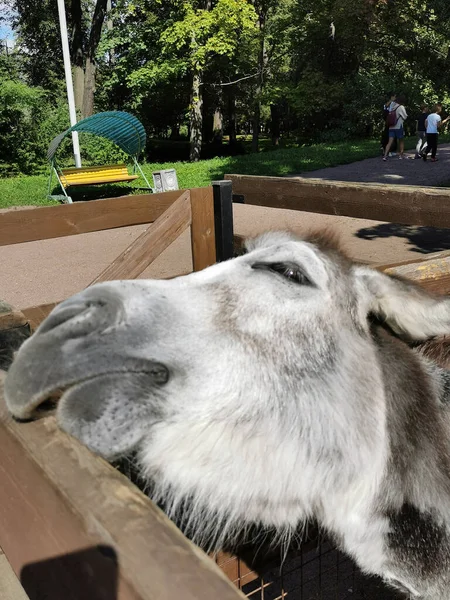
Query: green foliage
<point x="33" y="190"/>
<point x="99" y="151"/>
<point x="199" y="35"/>
<point x="22" y="107"/>
<point x="279" y="52"/>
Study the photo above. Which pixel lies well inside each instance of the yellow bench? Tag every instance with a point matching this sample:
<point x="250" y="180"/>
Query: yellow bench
<point x="95" y="175"/>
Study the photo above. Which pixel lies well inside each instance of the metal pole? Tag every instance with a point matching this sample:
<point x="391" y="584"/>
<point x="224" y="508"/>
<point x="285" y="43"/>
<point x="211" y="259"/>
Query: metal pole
<point x="69" y="83"/>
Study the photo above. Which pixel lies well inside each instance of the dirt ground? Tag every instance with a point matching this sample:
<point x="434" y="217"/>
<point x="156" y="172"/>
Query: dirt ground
<point x="50" y="270"/>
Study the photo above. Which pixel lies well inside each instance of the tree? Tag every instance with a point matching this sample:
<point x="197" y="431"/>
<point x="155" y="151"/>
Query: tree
<point x="198" y="36"/>
<point x="40" y="39"/>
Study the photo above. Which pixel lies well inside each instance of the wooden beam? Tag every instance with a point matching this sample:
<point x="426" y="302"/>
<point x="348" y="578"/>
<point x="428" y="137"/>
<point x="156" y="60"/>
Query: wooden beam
<point x="136" y="258"/>
<point x="12" y="319"/>
<point x="58" y="500"/>
<point x="433" y="274"/>
<point x="151" y="243"/>
<point x="29" y="224"/>
<point x="36" y="314"/>
<point x="420" y="258"/>
<point x="202" y="229"/>
<point x="393" y="203"/>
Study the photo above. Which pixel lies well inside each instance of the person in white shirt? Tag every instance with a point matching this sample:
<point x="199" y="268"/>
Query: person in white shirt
<point x="396" y="129"/>
<point x="432" y="124"/>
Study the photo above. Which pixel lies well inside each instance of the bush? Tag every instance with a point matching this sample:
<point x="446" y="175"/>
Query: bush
<point x="22" y="108"/>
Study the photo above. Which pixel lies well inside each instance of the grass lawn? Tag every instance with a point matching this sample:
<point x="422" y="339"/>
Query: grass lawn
<point x="32" y="190"/>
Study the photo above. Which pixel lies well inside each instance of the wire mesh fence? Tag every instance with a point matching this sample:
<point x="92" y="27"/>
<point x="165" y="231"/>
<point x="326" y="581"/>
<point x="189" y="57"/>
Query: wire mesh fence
<point x="314" y="571"/>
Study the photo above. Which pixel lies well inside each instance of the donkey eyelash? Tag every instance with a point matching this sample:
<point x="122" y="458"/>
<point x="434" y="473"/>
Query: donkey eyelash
<point x="288" y="270"/>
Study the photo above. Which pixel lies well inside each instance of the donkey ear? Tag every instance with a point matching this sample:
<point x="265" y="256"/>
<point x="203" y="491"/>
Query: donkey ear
<point x="405" y="307"/>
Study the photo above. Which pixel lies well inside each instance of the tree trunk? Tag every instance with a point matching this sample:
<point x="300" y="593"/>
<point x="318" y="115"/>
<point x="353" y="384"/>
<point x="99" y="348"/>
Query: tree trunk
<point x="218" y="125"/>
<point x="91" y="67"/>
<point x="195" y="117"/>
<point x="256" y="124"/>
<point x="77" y="53"/>
<point x="109" y="26"/>
<point x="275" y="124"/>
<point x="78" y="87"/>
<point x="232" y="116"/>
<point x="89" y="87"/>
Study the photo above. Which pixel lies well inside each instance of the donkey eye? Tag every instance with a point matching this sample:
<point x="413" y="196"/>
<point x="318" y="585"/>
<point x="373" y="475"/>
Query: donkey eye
<point x="287" y="270"/>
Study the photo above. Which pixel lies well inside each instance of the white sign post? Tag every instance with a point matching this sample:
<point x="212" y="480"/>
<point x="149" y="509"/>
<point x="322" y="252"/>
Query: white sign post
<point x="69" y="82"/>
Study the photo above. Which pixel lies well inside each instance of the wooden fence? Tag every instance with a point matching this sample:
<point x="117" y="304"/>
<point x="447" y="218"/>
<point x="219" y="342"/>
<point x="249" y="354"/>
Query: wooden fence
<point x="71" y="525"/>
<point x="168" y="215"/>
<point x="407" y="205"/>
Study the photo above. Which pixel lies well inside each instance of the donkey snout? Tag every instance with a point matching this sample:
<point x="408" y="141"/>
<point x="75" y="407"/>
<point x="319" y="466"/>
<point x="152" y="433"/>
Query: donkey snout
<point x="92" y="311"/>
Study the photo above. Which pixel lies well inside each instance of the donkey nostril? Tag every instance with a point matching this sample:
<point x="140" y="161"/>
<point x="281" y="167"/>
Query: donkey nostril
<point x="61" y="315"/>
<point x="84" y="314"/>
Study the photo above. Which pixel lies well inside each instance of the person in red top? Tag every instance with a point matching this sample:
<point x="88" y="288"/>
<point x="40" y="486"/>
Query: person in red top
<point x="396" y="130"/>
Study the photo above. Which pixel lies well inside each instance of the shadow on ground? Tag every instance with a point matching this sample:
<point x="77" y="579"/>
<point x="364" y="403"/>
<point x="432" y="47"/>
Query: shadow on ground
<point x="90" y="192"/>
<point x="423" y="240"/>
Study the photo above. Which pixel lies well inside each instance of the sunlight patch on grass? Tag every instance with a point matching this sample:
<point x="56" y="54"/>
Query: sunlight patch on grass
<point x="32" y="190"/>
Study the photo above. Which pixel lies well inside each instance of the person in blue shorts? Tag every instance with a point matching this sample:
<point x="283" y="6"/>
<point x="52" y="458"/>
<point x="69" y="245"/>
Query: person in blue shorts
<point x="396" y="130"/>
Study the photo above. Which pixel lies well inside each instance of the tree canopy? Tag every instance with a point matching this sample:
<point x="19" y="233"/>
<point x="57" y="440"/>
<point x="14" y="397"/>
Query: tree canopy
<point x="194" y="70"/>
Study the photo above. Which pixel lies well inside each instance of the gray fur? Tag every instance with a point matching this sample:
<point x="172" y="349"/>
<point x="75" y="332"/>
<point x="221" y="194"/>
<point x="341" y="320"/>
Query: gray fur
<point x="261" y="400"/>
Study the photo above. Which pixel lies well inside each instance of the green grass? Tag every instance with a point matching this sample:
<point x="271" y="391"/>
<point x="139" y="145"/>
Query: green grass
<point x="32" y="190"/>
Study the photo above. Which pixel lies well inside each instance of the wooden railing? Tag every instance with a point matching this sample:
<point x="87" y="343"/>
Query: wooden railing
<point x="168" y="215"/>
<point x="65" y="513"/>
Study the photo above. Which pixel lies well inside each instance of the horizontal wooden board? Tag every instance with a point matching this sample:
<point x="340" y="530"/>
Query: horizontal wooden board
<point x="36" y="314"/>
<point x="29" y="224"/>
<point x="393" y="203"/>
<point x="433" y="273"/>
<point x="57" y="498"/>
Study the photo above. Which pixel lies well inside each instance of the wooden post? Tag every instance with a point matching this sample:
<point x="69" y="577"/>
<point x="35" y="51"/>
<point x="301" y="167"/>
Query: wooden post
<point x="202" y="228"/>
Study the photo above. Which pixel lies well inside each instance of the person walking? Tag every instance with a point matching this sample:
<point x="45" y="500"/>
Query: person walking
<point x="433" y="123"/>
<point x="390" y="102"/>
<point x="395" y="120"/>
<point x="421" y="130"/>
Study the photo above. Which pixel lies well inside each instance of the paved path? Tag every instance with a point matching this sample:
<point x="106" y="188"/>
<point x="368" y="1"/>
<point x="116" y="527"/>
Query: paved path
<point x="404" y="172"/>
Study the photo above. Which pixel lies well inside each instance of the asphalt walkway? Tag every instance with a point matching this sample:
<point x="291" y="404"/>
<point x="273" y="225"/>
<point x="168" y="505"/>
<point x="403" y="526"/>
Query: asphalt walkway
<point x="403" y="172"/>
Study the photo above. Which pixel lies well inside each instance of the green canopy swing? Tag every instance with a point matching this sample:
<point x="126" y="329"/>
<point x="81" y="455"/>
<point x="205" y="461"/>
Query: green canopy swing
<point x="120" y="127"/>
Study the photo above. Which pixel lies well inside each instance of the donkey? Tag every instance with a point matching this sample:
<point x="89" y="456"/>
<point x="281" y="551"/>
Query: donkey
<point x="271" y="389"/>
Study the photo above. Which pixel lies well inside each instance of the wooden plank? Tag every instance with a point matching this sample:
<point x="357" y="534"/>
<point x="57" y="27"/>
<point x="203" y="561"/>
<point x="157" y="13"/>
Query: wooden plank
<point x="151" y="243"/>
<point x="202" y="229"/>
<point x="432" y="274"/>
<point x="58" y="498"/>
<point x="12" y="319"/>
<point x="393" y="203"/>
<point x="36" y="314"/>
<point x="29" y="224"/>
<point x="10" y="588"/>
<point x="413" y="261"/>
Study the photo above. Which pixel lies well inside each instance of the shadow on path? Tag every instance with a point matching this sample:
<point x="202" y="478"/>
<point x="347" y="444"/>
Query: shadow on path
<point x="422" y="239"/>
